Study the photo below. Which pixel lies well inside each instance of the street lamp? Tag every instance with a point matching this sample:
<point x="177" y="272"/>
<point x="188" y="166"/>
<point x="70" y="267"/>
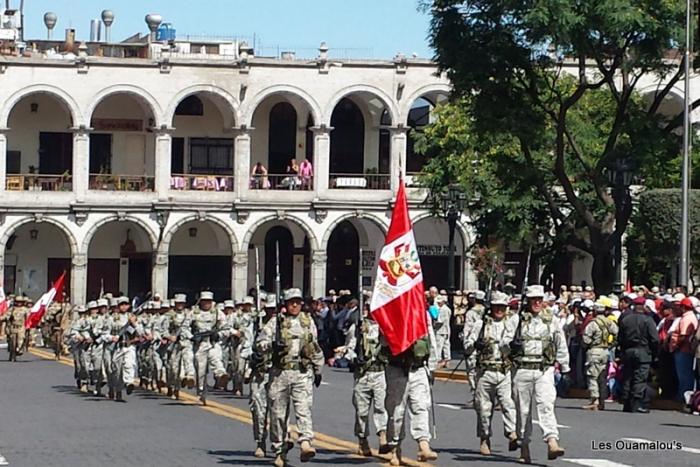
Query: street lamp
<point x="452" y="203"/>
<point x="620" y="178"/>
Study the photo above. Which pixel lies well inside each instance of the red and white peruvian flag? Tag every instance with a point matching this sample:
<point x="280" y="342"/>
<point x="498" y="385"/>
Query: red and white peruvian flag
<point x="39" y="308"/>
<point x="3" y="301"/>
<point x="398" y="300"/>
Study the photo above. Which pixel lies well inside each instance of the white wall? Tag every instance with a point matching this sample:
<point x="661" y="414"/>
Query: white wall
<point x="30" y="256"/>
<point x="211" y="240"/>
<point x="109" y="238"/>
<point x="51" y="116"/>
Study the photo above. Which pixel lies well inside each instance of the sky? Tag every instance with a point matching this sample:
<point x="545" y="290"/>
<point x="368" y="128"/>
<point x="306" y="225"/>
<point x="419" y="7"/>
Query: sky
<point x="373" y="28"/>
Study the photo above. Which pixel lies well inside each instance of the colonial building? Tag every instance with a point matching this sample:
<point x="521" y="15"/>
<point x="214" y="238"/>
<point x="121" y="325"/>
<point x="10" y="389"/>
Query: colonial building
<point x="163" y="165"/>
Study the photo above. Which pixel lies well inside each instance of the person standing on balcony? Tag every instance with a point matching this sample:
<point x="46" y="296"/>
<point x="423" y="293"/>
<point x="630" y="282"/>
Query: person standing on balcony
<point x="293" y="174"/>
<point x="258" y="178"/>
<point x="306" y="170"/>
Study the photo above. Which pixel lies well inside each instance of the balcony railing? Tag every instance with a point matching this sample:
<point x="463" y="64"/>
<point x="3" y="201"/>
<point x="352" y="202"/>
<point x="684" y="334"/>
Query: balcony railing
<point x="361" y="181"/>
<point x="38" y="182"/>
<point x="413" y="179"/>
<point x="190" y="182"/>
<point x="109" y="182"/>
<point x="281" y="182"/>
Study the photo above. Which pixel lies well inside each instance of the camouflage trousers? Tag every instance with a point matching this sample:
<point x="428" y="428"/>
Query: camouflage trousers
<point x="238" y="368"/>
<point x="81" y="362"/>
<point x="369" y="389"/>
<point x="258" y="404"/>
<point x="535" y="386"/>
<point x="123" y="368"/>
<point x="97" y="371"/>
<point x="596" y="363"/>
<point x="407" y="393"/>
<point x="490" y="386"/>
<point x="295" y="387"/>
<point x="160" y="361"/>
<point x="180" y="362"/>
<point x="442" y="347"/>
<point x="208" y="358"/>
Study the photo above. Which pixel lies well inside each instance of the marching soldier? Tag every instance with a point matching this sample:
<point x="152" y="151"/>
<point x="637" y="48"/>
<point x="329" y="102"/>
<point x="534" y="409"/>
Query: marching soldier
<point x="474" y="314"/>
<point x="489" y="339"/>
<point x="297" y="362"/>
<point x="241" y="324"/>
<point x="409" y="390"/>
<point x="442" y="331"/>
<point x="208" y="324"/>
<point x="79" y="336"/>
<point x="538" y="344"/>
<point x="363" y="346"/>
<point x="181" y="357"/>
<point x="261" y="363"/>
<point x="124" y="360"/>
<point x="159" y="328"/>
<point x="115" y="325"/>
<point x="96" y="310"/>
<point x="228" y="345"/>
<point x="598" y="335"/>
<point x="16" y="334"/>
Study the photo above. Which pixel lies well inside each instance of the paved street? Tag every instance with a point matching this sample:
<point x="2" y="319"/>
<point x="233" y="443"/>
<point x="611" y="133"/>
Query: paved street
<point x="46" y="421"/>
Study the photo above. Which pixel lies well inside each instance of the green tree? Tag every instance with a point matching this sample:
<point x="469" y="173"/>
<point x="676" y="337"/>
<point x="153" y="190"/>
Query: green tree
<point x="557" y="82"/>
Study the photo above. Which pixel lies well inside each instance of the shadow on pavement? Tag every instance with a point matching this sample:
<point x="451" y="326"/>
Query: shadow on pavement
<point x="469" y="455"/>
<point x="326" y="457"/>
<point x="680" y="425"/>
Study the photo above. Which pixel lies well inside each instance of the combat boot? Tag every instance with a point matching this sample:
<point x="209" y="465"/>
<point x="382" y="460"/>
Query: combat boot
<point x="425" y="454"/>
<point x="525" y="455"/>
<point x="280" y="461"/>
<point x="169" y="393"/>
<point x="363" y="448"/>
<point x="221" y="381"/>
<point x="119" y="397"/>
<point x="260" y="450"/>
<point x="395" y="456"/>
<point x="553" y="449"/>
<point x="110" y="394"/>
<point x="129" y="389"/>
<point x="513" y="442"/>
<point x="485" y="447"/>
<point x="382" y="441"/>
<point x="307" y="451"/>
<point x="592" y="406"/>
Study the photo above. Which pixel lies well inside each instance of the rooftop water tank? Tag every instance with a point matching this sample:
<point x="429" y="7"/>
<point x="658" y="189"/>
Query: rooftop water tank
<point x="166" y="32"/>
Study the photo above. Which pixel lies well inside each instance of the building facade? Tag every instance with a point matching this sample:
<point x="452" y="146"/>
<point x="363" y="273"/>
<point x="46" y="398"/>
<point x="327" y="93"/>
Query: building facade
<point x="169" y="171"/>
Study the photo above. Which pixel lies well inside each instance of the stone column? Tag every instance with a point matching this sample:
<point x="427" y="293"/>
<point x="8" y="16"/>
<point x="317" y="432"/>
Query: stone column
<point x="239" y="274"/>
<point x="398" y="155"/>
<point x="163" y="170"/>
<point x="322" y="158"/>
<point x="159" y="278"/>
<point x="81" y="162"/>
<point x="78" y="278"/>
<point x="318" y="273"/>
<point x="241" y="161"/>
<point x="3" y="158"/>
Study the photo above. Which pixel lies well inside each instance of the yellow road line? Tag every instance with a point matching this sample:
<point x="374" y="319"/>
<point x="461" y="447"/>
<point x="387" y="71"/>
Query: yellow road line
<point x="229" y="411"/>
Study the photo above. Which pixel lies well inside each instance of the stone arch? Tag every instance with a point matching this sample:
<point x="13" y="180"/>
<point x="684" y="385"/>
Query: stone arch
<point x="461" y="227"/>
<point x="164" y="247"/>
<point x="308" y="231"/>
<point x="58" y="93"/>
<point x="376" y="220"/>
<point x="222" y="99"/>
<point x="72" y="241"/>
<point x="418" y="93"/>
<point x="152" y="236"/>
<point x="361" y="88"/>
<point x="144" y="97"/>
<point x="249" y="112"/>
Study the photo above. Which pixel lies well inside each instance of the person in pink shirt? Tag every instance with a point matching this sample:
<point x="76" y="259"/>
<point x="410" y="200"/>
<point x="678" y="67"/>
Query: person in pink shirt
<point x="681" y="345"/>
<point x="306" y="171"/>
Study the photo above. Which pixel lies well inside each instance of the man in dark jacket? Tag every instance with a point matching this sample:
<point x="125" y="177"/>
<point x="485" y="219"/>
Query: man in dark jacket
<point x="638" y="340"/>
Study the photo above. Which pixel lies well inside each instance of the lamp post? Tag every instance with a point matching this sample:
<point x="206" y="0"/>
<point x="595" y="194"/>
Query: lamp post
<point x="620" y="178"/>
<point x="452" y="203"/>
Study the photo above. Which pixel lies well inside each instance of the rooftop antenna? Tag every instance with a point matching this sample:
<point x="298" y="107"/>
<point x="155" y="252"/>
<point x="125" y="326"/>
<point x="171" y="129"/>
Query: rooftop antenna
<point x="108" y="19"/>
<point x="50" y="20"/>
<point x="153" y="21"/>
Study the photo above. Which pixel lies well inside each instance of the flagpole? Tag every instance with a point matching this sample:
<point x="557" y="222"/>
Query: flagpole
<point x="685" y="188"/>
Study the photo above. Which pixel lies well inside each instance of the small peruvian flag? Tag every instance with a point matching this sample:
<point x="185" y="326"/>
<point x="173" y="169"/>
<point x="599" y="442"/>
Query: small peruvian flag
<point x="39" y="308"/>
<point x="398" y="300"/>
<point x="3" y="301"/>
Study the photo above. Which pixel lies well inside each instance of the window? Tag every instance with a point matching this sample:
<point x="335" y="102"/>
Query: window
<point x="212" y="156"/>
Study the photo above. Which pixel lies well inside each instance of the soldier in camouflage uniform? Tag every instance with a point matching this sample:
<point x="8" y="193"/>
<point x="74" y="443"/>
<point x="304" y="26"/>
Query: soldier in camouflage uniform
<point x="241" y="324"/>
<point x="159" y="328"/>
<point x="227" y="345"/>
<point x="297" y="362"/>
<point x="208" y="326"/>
<point x="363" y="348"/>
<point x="474" y="314"/>
<point x="144" y="349"/>
<point x="181" y="358"/>
<point x="538" y="344"/>
<point x="261" y="363"/>
<point x="98" y="320"/>
<point x="15" y="318"/>
<point x="115" y="324"/>
<point x="489" y="339"/>
<point x="598" y="336"/>
<point x="79" y="338"/>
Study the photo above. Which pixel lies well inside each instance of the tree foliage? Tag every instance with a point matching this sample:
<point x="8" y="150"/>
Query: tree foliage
<point x="549" y="91"/>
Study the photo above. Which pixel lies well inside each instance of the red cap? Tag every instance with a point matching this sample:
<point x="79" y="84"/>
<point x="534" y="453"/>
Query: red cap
<point x="687" y="304"/>
<point x="639" y="301"/>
